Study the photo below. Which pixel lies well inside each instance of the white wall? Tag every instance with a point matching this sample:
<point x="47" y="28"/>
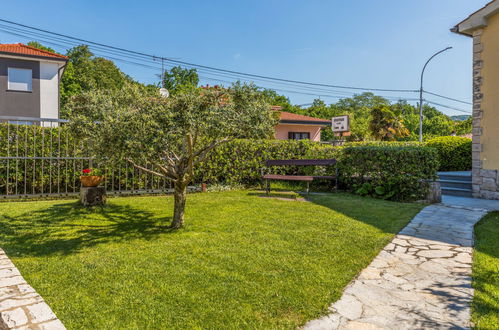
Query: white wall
<point x="49" y="90"/>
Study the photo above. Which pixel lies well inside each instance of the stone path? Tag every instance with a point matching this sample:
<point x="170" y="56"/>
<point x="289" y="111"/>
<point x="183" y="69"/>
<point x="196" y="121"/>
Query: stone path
<point x="421" y="280"/>
<point x="20" y="306"/>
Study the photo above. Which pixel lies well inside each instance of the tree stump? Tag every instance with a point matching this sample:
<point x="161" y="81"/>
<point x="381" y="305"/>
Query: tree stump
<point x="434" y="193"/>
<point x="93" y="196"/>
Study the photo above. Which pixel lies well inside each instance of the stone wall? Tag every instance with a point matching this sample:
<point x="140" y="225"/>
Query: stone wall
<point x="485" y="182"/>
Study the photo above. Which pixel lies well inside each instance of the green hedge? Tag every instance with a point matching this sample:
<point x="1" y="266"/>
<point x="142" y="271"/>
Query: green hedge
<point x="54" y="171"/>
<point x="384" y="144"/>
<point x="392" y="171"/>
<point x="389" y="172"/>
<point x="242" y="161"/>
<point x="454" y="152"/>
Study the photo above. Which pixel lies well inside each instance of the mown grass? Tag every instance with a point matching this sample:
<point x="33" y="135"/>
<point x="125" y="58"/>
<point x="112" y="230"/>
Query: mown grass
<point x="241" y="262"/>
<point x="485" y="307"/>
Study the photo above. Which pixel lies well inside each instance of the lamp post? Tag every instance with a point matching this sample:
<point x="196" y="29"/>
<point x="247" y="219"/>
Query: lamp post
<point x="421" y="94"/>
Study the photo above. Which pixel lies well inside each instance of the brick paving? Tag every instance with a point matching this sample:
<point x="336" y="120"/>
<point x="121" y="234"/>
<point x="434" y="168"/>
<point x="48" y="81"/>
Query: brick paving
<point x="20" y="306"/>
<point x="421" y="280"/>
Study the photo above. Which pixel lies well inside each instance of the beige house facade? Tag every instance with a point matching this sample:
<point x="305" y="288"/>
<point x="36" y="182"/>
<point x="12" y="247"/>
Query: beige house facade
<point x="483" y="27"/>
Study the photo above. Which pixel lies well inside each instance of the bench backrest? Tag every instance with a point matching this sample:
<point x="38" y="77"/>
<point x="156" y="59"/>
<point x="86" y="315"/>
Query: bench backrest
<point x="300" y="162"/>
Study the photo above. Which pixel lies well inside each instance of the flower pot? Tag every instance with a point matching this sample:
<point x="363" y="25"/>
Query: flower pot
<point x="91" y="180"/>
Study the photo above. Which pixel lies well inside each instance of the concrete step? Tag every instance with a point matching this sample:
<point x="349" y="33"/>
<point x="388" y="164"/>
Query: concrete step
<point x="454" y="177"/>
<point x="455" y="184"/>
<point x="457" y="192"/>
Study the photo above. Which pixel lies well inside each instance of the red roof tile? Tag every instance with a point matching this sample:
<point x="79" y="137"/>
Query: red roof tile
<point x="288" y="116"/>
<point x="22" y="49"/>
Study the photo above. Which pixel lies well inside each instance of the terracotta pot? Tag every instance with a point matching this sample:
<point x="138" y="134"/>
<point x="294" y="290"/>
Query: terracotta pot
<point x="91" y="180"/>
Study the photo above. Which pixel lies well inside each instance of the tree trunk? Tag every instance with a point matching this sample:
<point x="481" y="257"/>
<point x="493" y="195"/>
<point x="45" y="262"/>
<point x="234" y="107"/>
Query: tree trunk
<point x="180" y="196"/>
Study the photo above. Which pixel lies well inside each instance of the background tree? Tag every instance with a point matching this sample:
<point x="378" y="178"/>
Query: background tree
<point x="464" y="127"/>
<point x="86" y="72"/>
<point x="169" y="137"/>
<point x="38" y="45"/>
<point x="386" y="125"/>
<point x="179" y="78"/>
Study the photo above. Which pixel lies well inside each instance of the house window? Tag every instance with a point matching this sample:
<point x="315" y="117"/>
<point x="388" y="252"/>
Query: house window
<point x="298" y="135"/>
<point x="20" y="80"/>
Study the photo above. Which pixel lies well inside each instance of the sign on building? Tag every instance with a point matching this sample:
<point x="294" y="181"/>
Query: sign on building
<point x="341" y="124"/>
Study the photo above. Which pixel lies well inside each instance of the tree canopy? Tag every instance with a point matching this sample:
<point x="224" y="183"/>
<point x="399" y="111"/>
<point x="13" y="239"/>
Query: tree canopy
<point x="386" y="125"/>
<point x="178" y="78"/>
<point x="86" y="72"/>
<point x="360" y="110"/>
<point x="169" y="137"/>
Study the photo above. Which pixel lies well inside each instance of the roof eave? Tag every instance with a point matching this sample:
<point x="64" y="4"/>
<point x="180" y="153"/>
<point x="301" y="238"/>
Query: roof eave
<point x="477" y="20"/>
<point x="305" y="122"/>
<point x="48" y="58"/>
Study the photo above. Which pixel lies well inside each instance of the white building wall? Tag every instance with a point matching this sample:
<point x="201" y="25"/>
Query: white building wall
<point x="49" y="90"/>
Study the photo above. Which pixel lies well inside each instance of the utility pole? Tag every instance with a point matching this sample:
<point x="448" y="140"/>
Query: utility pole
<point x="421" y="94"/>
<point x="163" y="72"/>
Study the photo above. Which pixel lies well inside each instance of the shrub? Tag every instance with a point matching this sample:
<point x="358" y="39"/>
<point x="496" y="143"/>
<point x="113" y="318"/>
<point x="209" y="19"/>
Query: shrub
<point x="242" y="161"/>
<point x="384" y="143"/>
<point x="454" y="152"/>
<point x="389" y="172"/>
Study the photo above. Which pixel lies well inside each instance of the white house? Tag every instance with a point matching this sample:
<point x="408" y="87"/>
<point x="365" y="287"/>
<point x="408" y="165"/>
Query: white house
<point x="29" y="81"/>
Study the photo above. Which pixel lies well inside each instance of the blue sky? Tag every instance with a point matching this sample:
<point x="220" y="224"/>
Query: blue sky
<point x="377" y="44"/>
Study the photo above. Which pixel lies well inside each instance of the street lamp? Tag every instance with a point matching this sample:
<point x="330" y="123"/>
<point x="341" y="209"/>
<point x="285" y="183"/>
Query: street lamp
<point x="421" y="94"/>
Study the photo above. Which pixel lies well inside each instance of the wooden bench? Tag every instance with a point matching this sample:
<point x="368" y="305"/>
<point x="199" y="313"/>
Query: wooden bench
<point x="304" y="178"/>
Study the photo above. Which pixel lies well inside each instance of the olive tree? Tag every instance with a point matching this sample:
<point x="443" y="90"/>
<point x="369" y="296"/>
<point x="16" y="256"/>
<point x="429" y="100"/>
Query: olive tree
<point x="169" y="137"/>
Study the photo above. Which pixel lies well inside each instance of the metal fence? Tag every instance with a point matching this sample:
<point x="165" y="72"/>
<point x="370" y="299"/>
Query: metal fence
<point x="41" y="158"/>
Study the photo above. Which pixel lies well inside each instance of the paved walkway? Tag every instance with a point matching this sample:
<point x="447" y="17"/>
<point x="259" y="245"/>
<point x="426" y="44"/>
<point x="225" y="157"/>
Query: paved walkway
<point x="20" y="306"/>
<point x="421" y="280"/>
<point x="486" y="204"/>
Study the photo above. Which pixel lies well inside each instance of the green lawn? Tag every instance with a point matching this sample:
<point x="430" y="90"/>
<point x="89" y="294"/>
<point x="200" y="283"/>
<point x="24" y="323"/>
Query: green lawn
<point x="241" y="262"/>
<point x="485" y="308"/>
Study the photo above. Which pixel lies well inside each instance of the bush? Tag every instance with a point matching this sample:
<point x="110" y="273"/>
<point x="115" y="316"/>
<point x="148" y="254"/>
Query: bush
<point x="393" y="172"/>
<point x="242" y="161"/>
<point x="454" y="152"/>
<point x="384" y="143"/>
<point x="388" y="172"/>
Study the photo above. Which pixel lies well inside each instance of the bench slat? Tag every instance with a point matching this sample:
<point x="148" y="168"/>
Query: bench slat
<point x="288" y="177"/>
<point x="300" y="162"/>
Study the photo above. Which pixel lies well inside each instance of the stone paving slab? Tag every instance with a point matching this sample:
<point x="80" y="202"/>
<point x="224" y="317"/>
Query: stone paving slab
<point x="421" y="280"/>
<point x="20" y="306"/>
<point x="488" y="204"/>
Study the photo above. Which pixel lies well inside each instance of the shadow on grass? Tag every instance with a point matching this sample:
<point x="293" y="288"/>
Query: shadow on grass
<point x="69" y="227"/>
<point x="291" y="195"/>
<point x="390" y="217"/>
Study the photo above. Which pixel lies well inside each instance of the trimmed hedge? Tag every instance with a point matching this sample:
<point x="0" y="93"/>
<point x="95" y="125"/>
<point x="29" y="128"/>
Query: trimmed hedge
<point x="54" y="171"/>
<point x="454" y="152"/>
<point x="384" y="144"/>
<point x="242" y="161"/>
<point x="391" y="171"/>
<point x="388" y="172"/>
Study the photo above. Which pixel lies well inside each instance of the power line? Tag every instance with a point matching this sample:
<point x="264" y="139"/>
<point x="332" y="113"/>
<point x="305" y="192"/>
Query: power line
<point x="448" y="98"/>
<point x="60" y="40"/>
<point x="448" y="107"/>
<point x="205" y="66"/>
<point x="79" y="39"/>
<point x="97" y="51"/>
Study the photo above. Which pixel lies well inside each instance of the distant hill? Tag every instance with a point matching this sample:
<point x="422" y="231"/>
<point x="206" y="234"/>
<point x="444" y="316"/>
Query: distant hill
<point x="460" y="117"/>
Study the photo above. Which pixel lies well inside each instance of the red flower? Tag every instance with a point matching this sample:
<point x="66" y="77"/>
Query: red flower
<point x="87" y="170"/>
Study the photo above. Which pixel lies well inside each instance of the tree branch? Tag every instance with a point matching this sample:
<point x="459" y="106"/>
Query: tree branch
<point x="203" y="153"/>
<point x="146" y="169"/>
<point x="170" y="173"/>
<point x="190" y="160"/>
